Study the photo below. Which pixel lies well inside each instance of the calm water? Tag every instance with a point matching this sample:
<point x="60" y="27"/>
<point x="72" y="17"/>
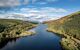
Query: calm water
<point x="43" y="40"/>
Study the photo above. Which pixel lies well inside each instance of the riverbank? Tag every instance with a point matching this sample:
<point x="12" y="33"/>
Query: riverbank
<point x="67" y="42"/>
<point x="42" y="40"/>
<point x="5" y="40"/>
<point x="50" y="30"/>
<point x="22" y="34"/>
<point x="10" y="29"/>
<point x="69" y="27"/>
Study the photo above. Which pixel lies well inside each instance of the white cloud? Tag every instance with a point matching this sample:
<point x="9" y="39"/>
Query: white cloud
<point x="44" y="13"/>
<point x="29" y="10"/>
<point x="33" y="1"/>
<point x="11" y="3"/>
<point x="42" y="1"/>
<point x="43" y="10"/>
<point x="5" y="3"/>
<point x="26" y="2"/>
<point x="55" y="10"/>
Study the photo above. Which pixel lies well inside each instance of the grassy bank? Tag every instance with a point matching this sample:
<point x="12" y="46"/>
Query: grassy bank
<point x="68" y="26"/>
<point x="10" y="28"/>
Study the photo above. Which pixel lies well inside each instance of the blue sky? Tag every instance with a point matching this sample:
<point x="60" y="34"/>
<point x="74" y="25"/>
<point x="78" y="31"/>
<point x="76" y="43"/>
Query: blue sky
<point x="41" y="9"/>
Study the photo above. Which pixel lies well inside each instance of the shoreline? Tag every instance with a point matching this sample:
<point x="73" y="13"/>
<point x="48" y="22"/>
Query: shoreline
<point x="23" y="34"/>
<point x="4" y="41"/>
<point x="67" y="42"/>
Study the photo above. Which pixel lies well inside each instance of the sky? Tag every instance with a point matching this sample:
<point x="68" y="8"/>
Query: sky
<point x="38" y="10"/>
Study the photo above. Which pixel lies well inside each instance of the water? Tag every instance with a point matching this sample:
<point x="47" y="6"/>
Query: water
<point x="43" y="40"/>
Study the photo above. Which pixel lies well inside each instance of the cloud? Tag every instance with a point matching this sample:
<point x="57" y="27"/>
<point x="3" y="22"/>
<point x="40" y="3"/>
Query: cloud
<point x="29" y="10"/>
<point x="55" y="10"/>
<point x="42" y="1"/>
<point x="43" y="10"/>
<point x="7" y="3"/>
<point x="36" y="14"/>
<point x="43" y="13"/>
<point x="33" y="13"/>
<point x="25" y="2"/>
<point x="12" y="3"/>
<point x="39" y="13"/>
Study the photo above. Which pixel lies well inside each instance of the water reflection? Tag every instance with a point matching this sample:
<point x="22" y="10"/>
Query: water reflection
<point x="42" y="40"/>
<point x="4" y="42"/>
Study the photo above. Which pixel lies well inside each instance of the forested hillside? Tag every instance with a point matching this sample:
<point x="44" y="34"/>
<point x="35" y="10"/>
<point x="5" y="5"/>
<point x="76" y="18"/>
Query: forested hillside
<point x="10" y="28"/>
<point x="69" y="26"/>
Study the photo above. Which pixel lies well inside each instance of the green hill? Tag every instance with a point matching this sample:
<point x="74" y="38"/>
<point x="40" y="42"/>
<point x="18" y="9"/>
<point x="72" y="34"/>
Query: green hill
<point x="10" y="28"/>
<point x="69" y="26"/>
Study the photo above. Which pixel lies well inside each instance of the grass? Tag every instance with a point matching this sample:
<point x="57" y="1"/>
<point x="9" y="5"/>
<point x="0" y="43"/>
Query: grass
<point x="68" y="25"/>
<point x="10" y="28"/>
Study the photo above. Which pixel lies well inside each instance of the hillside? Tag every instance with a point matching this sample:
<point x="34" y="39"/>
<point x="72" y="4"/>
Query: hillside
<point x="69" y="26"/>
<point x="10" y="28"/>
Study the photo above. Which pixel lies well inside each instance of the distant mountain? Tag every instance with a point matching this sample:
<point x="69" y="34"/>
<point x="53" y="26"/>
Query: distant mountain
<point x="69" y="26"/>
